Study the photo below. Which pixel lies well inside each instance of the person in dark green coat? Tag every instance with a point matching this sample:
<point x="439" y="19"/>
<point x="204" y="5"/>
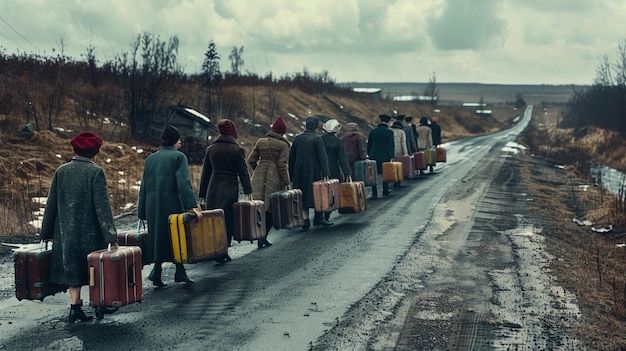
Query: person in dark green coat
<point x="79" y="220"/>
<point x="165" y="189"/>
<point x="380" y="147"/>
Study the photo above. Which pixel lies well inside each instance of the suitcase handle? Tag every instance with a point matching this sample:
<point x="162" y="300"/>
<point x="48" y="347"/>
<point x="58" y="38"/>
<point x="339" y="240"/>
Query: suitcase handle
<point x="130" y="273"/>
<point x="259" y="219"/>
<point x="92" y="276"/>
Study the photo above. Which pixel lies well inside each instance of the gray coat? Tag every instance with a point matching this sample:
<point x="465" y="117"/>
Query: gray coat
<point x="307" y="161"/>
<point x="78" y="219"/>
<point x="165" y="189"/>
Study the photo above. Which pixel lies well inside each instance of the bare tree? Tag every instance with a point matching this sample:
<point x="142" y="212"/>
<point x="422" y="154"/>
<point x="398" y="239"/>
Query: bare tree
<point x="432" y="90"/>
<point x="236" y="60"/>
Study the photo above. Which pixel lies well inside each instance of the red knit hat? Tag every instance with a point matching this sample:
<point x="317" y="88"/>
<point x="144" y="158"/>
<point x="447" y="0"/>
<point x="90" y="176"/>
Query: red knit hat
<point x="227" y="127"/>
<point x="86" y="144"/>
<point x="279" y="126"/>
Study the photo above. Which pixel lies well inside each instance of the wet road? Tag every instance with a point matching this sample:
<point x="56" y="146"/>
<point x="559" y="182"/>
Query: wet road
<point x="284" y="297"/>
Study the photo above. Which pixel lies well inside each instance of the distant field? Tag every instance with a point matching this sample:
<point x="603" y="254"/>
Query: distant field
<point x="455" y="93"/>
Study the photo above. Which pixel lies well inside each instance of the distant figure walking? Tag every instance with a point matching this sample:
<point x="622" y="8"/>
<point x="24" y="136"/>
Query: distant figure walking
<point x="436" y="128"/>
<point x="338" y="165"/>
<point x="354" y="144"/>
<point x="380" y="147"/>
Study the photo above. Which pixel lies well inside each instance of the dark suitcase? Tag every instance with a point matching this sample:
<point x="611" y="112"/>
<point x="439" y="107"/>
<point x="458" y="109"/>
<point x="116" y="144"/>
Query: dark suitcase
<point x="441" y="154"/>
<point x="138" y="237"/>
<point x="408" y="167"/>
<point x="115" y="276"/>
<point x="366" y="172"/>
<point x="32" y="268"/>
<point x="419" y="161"/>
<point x="195" y="241"/>
<point x="352" y="197"/>
<point x="286" y="207"/>
<point x="326" y="195"/>
<point x="249" y="218"/>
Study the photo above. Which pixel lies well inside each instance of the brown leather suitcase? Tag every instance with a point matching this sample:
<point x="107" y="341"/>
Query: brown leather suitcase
<point x="352" y="197"/>
<point x="115" y="276"/>
<point x="326" y="195"/>
<point x="32" y="268"/>
<point x="138" y="237"/>
<point x="249" y="218"/>
<point x="195" y="241"/>
<point x="286" y="207"/>
<point x="441" y="154"/>
<point x="392" y="172"/>
<point x="366" y="172"/>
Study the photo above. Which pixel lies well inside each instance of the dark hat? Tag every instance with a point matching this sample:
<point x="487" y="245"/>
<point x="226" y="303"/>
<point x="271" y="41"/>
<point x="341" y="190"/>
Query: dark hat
<point x="170" y="135"/>
<point x="408" y="118"/>
<point x="384" y="118"/>
<point x="399" y="117"/>
<point x="424" y="120"/>
<point x="279" y="126"/>
<point x="86" y="144"/>
<point x="227" y="127"/>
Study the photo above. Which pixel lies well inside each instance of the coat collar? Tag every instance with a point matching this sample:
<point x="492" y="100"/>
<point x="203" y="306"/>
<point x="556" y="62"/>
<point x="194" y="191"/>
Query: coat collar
<point x="383" y="125"/>
<point x="82" y="159"/>
<point x="224" y="138"/>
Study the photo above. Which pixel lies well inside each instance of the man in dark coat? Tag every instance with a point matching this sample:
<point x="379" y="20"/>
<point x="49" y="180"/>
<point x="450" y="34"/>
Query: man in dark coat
<point x="436" y="130"/>
<point x="308" y="163"/>
<point x="224" y="167"/>
<point x="78" y="219"/>
<point x="380" y="147"/>
<point x="413" y="128"/>
<point x="165" y="189"/>
<point x="411" y="144"/>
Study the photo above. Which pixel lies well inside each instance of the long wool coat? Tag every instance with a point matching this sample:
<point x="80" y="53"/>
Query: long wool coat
<point x="165" y="189"/>
<point x="268" y="160"/>
<point x="224" y="167"/>
<point x="307" y="161"/>
<point x="399" y="139"/>
<point x="436" y="133"/>
<point x="411" y="143"/>
<point x="424" y="137"/>
<point x="380" y="145"/>
<point x="78" y="219"/>
<point x="338" y="164"/>
<point x="355" y="148"/>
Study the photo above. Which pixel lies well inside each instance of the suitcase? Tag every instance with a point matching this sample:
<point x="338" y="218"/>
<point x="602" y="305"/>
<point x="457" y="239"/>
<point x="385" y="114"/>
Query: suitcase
<point x="32" y="268"/>
<point x="408" y="168"/>
<point x="392" y="172"/>
<point x="326" y="195"/>
<point x="195" y="241"/>
<point x="366" y="172"/>
<point x="115" y="276"/>
<point x="430" y="157"/>
<point x="441" y="154"/>
<point x="419" y="161"/>
<point x="138" y="237"/>
<point x="286" y="207"/>
<point x="352" y="197"/>
<point x="249" y="220"/>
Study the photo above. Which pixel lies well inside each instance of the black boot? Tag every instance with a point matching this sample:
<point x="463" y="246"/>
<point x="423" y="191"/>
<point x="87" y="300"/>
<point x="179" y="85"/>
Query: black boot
<point x="155" y="275"/>
<point x="181" y="275"/>
<point x="306" y="224"/>
<point x="320" y="220"/>
<point x="374" y="191"/>
<point x="386" y="190"/>
<point x="223" y="259"/>
<point x="263" y="243"/>
<point x="76" y="313"/>
<point x="101" y="311"/>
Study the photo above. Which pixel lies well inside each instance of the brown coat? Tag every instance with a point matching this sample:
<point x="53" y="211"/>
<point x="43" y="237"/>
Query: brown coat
<point x="355" y="148"/>
<point x="268" y="161"/>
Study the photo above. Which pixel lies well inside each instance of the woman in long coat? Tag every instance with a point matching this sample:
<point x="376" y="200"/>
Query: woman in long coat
<point x="399" y="137"/>
<point x="308" y="163"/>
<point x="78" y="219"/>
<point x="224" y="167"/>
<point x="424" y="135"/>
<point x="338" y="165"/>
<point x="268" y="160"/>
<point x="165" y="189"/>
<point x="354" y="145"/>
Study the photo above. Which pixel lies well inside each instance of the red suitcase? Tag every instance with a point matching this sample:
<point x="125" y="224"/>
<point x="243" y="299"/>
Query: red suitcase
<point x="408" y="168"/>
<point x="419" y="160"/>
<point x="286" y="209"/>
<point x="249" y="217"/>
<point x="32" y="268"/>
<point x="115" y="276"/>
<point x="326" y="195"/>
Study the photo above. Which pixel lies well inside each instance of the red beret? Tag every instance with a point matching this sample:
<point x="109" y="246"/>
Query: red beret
<point x="227" y="127"/>
<point x="279" y="126"/>
<point x="86" y="144"/>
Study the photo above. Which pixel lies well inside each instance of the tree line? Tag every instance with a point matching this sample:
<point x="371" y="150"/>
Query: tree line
<point x="126" y="90"/>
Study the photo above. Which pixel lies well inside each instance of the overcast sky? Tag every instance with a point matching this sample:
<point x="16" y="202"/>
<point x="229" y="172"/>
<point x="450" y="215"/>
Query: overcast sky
<point x="484" y="41"/>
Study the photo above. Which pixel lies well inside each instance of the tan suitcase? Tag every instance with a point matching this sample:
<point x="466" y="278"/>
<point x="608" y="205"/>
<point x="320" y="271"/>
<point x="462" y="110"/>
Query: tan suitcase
<point x="196" y="241"/>
<point x="392" y="172"/>
<point x="352" y="197"/>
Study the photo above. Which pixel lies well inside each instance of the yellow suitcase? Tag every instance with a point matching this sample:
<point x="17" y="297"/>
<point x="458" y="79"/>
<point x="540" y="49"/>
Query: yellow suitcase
<point x="196" y="241"/>
<point x="392" y="172"/>
<point x="352" y="197"/>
